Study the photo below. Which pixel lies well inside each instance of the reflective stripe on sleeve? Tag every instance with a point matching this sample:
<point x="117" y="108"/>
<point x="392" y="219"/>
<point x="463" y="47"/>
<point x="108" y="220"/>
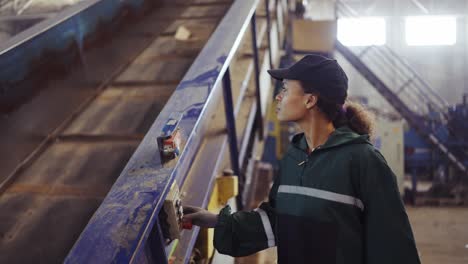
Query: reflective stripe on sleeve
<point x="326" y="195"/>
<point x="267" y="227"/>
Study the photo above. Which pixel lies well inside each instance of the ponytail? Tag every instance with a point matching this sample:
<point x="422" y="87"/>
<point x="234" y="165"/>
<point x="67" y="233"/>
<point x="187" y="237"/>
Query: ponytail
<point x="351" y="114"/>
<point x="356" y="117"/>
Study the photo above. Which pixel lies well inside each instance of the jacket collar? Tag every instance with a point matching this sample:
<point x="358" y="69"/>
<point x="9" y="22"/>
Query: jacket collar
<point x="341" y="136"/>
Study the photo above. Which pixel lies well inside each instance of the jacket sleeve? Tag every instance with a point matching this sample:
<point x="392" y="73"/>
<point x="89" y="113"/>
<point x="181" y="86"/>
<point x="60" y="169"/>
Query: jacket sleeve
<point x="388" y="235"/>
<point x="244" y="233"/>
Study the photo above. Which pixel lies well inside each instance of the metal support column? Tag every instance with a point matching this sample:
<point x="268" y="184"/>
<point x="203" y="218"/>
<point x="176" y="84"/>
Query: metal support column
<point x="277" y="21"/>
<point x="230" y="122"/>
<point x="267" y="9"/>
<point x="156" y="245"/>
<point x="414" y="185"/>
<point x="259" y="120"/>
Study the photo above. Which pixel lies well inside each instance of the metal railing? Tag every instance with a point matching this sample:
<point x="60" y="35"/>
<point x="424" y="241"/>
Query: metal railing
<point x="404" y="89"/>
<point x="392" y="68"/>
<point x="126" y="228"/>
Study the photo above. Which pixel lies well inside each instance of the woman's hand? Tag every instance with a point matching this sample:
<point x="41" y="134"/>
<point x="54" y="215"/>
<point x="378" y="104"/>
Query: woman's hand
<point x="199" y="216"/>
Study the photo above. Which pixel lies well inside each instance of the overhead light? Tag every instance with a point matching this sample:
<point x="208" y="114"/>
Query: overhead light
<point x="363" y="31"/>
<point x="431" y="30"/>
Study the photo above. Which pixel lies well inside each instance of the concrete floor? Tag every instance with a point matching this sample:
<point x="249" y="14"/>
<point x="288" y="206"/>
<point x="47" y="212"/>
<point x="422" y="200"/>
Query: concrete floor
<point x="441" y="236"/>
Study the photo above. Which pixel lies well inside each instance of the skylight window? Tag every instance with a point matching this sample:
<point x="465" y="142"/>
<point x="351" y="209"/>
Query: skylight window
<point x="431" y="30"/>
<point x="364" y="31"/>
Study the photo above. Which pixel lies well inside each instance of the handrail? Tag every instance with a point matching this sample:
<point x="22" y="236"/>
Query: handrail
<point x="402" y="105"/>
<point x="421" y="86"/>
<point x="417" y="92"/>
<point x="418" y="124"/>
<point x="404" y="62"/>
<point x="119" y="229"/>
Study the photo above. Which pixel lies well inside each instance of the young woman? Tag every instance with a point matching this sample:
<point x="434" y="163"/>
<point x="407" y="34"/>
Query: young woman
<point x="335" y="199"/>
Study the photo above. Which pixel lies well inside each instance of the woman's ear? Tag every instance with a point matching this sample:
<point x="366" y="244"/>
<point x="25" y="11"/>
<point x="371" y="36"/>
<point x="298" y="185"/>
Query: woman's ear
<point x="311" y="101"/>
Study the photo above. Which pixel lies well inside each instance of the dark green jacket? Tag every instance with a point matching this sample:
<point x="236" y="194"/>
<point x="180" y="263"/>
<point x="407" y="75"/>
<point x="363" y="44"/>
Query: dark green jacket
<point x="339" y="204"/>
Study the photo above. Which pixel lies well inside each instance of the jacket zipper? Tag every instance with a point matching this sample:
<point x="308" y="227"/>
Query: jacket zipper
<point x="303" y="164"/>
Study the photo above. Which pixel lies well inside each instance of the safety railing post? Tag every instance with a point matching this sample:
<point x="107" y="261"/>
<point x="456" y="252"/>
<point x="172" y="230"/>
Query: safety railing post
<point x="259" y="120"/>
<point x="156" y="244"/>
<point x="277" y="21"/>
<point x="268" y="19"/>
<point x="230" y="122"/>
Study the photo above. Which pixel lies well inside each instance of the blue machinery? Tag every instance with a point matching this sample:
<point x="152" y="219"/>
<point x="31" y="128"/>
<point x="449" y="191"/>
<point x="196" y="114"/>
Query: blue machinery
<point x="433" y="123"/>
<point x="416" y="121"/>
<point x="126" y="227"/>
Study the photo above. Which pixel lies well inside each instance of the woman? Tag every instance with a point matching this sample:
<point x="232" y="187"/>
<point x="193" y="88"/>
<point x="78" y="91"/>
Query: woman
<point x="335" y="199"/>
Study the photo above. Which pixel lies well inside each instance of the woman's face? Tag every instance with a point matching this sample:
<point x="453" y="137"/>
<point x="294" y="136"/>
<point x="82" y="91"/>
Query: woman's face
<point x="292" y="102"/>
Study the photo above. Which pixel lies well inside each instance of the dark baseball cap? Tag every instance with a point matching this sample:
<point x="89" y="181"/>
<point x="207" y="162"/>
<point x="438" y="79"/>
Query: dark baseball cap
<point x="317" y="74"/>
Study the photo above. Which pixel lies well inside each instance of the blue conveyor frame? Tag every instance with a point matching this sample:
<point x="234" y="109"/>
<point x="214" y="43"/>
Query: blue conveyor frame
<point x="125" y="228"/>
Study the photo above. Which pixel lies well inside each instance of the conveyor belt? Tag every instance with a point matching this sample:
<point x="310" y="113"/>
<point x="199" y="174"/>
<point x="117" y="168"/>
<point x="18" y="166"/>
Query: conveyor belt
<point x="64" y="147"/>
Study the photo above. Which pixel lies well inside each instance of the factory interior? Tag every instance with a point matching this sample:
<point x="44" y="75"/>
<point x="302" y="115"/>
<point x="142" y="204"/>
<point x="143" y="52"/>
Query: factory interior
<point x="115" y="115"/>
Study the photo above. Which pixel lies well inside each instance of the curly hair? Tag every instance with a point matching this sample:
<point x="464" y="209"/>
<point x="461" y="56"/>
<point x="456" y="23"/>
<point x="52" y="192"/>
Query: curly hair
<point x="356" y="117"/>
<point x="351" y="114"/>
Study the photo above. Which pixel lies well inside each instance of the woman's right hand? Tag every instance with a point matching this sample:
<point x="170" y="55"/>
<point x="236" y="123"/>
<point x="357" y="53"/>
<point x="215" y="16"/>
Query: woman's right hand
<point x="199" y="216"/>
